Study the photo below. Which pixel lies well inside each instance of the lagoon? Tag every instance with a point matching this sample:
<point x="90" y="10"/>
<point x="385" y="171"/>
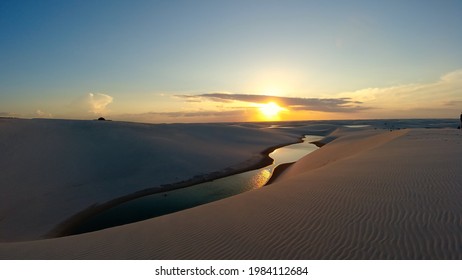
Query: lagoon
<point x="159" y="204"/>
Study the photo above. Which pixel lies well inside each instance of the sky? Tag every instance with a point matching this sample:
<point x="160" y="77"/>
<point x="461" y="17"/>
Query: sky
<point x="220" y="60"/>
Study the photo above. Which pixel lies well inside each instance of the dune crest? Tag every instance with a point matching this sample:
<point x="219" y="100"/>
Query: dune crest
<point x="344" y="146"/>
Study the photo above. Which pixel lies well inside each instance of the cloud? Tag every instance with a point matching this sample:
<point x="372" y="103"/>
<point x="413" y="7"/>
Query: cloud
<point x="445" y="91"/>
<point x="452" y="76"/>
<point x="441" y="98"/>
<point x="343" y="104"/>
<point x="98" y="101"/>
<point x="9" y="115"/>
<point x="41" y="114"/>
<point x="94" y="103"/>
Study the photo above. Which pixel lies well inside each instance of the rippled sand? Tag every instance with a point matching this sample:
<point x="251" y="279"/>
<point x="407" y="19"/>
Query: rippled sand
<point x="365" y="195"/>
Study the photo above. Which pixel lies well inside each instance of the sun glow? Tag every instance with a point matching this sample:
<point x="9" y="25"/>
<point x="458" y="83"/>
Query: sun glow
<point x="271" y="110"/>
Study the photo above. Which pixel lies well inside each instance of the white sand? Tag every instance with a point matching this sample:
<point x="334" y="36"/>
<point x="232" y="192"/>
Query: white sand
<point x="366" y="195"/>
<point x="54" y="169"/>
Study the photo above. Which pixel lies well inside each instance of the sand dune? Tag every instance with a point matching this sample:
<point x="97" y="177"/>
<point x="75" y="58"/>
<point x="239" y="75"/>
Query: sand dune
<point x="54" y="169"/>
<point x="366" y="195"/>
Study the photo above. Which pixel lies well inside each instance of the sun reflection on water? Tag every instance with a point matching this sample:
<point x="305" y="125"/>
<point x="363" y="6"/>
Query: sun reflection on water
<point x="260" y="179"/>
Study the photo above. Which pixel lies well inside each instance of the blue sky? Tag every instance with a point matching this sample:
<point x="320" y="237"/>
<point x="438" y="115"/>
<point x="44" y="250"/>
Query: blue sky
<point x="144" y="60"/>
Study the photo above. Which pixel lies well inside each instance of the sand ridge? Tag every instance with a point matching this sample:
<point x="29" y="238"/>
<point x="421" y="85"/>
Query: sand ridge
<point x="342" y="146"/>
<point x="397" y="198"/>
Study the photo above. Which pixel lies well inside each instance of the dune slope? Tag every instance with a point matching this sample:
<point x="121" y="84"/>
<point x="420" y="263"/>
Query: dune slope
<point x="397" y="197"/>
<point x="54" y="169"/>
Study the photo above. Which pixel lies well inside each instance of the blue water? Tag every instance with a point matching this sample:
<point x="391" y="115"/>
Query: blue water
<point x="176" y="200"/>
<point x="168" y="202"/>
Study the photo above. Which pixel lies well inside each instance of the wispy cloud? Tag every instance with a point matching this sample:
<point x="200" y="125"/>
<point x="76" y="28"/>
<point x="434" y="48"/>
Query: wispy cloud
<point x="41" y="114"/>
<point x="343" y="104"/>
<point x="240" y="107"/>
<point x="95" y="103"/>
<point x="440" y="98"/>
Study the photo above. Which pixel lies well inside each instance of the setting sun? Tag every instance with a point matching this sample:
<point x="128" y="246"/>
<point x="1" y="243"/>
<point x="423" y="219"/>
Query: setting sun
<point x="271" y="110"/>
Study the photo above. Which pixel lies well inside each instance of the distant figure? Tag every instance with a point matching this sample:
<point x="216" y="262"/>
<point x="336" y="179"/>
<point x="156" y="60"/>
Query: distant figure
<point x="460" y="126"/>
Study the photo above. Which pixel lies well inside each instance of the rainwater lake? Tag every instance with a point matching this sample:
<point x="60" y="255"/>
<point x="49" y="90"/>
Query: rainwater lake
<point x="159" y="204"/>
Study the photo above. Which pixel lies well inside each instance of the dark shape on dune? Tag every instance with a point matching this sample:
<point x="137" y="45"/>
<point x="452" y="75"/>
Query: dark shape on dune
<point x="460" y="126"/>
<point x="101" y="119"/>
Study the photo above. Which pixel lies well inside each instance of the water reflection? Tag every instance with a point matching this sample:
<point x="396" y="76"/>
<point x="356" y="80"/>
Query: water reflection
<point x="294" y="152"/>
<point x="357" y="125"/>
<point x="260" y="179"/>
<point x="164" y="203"/>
